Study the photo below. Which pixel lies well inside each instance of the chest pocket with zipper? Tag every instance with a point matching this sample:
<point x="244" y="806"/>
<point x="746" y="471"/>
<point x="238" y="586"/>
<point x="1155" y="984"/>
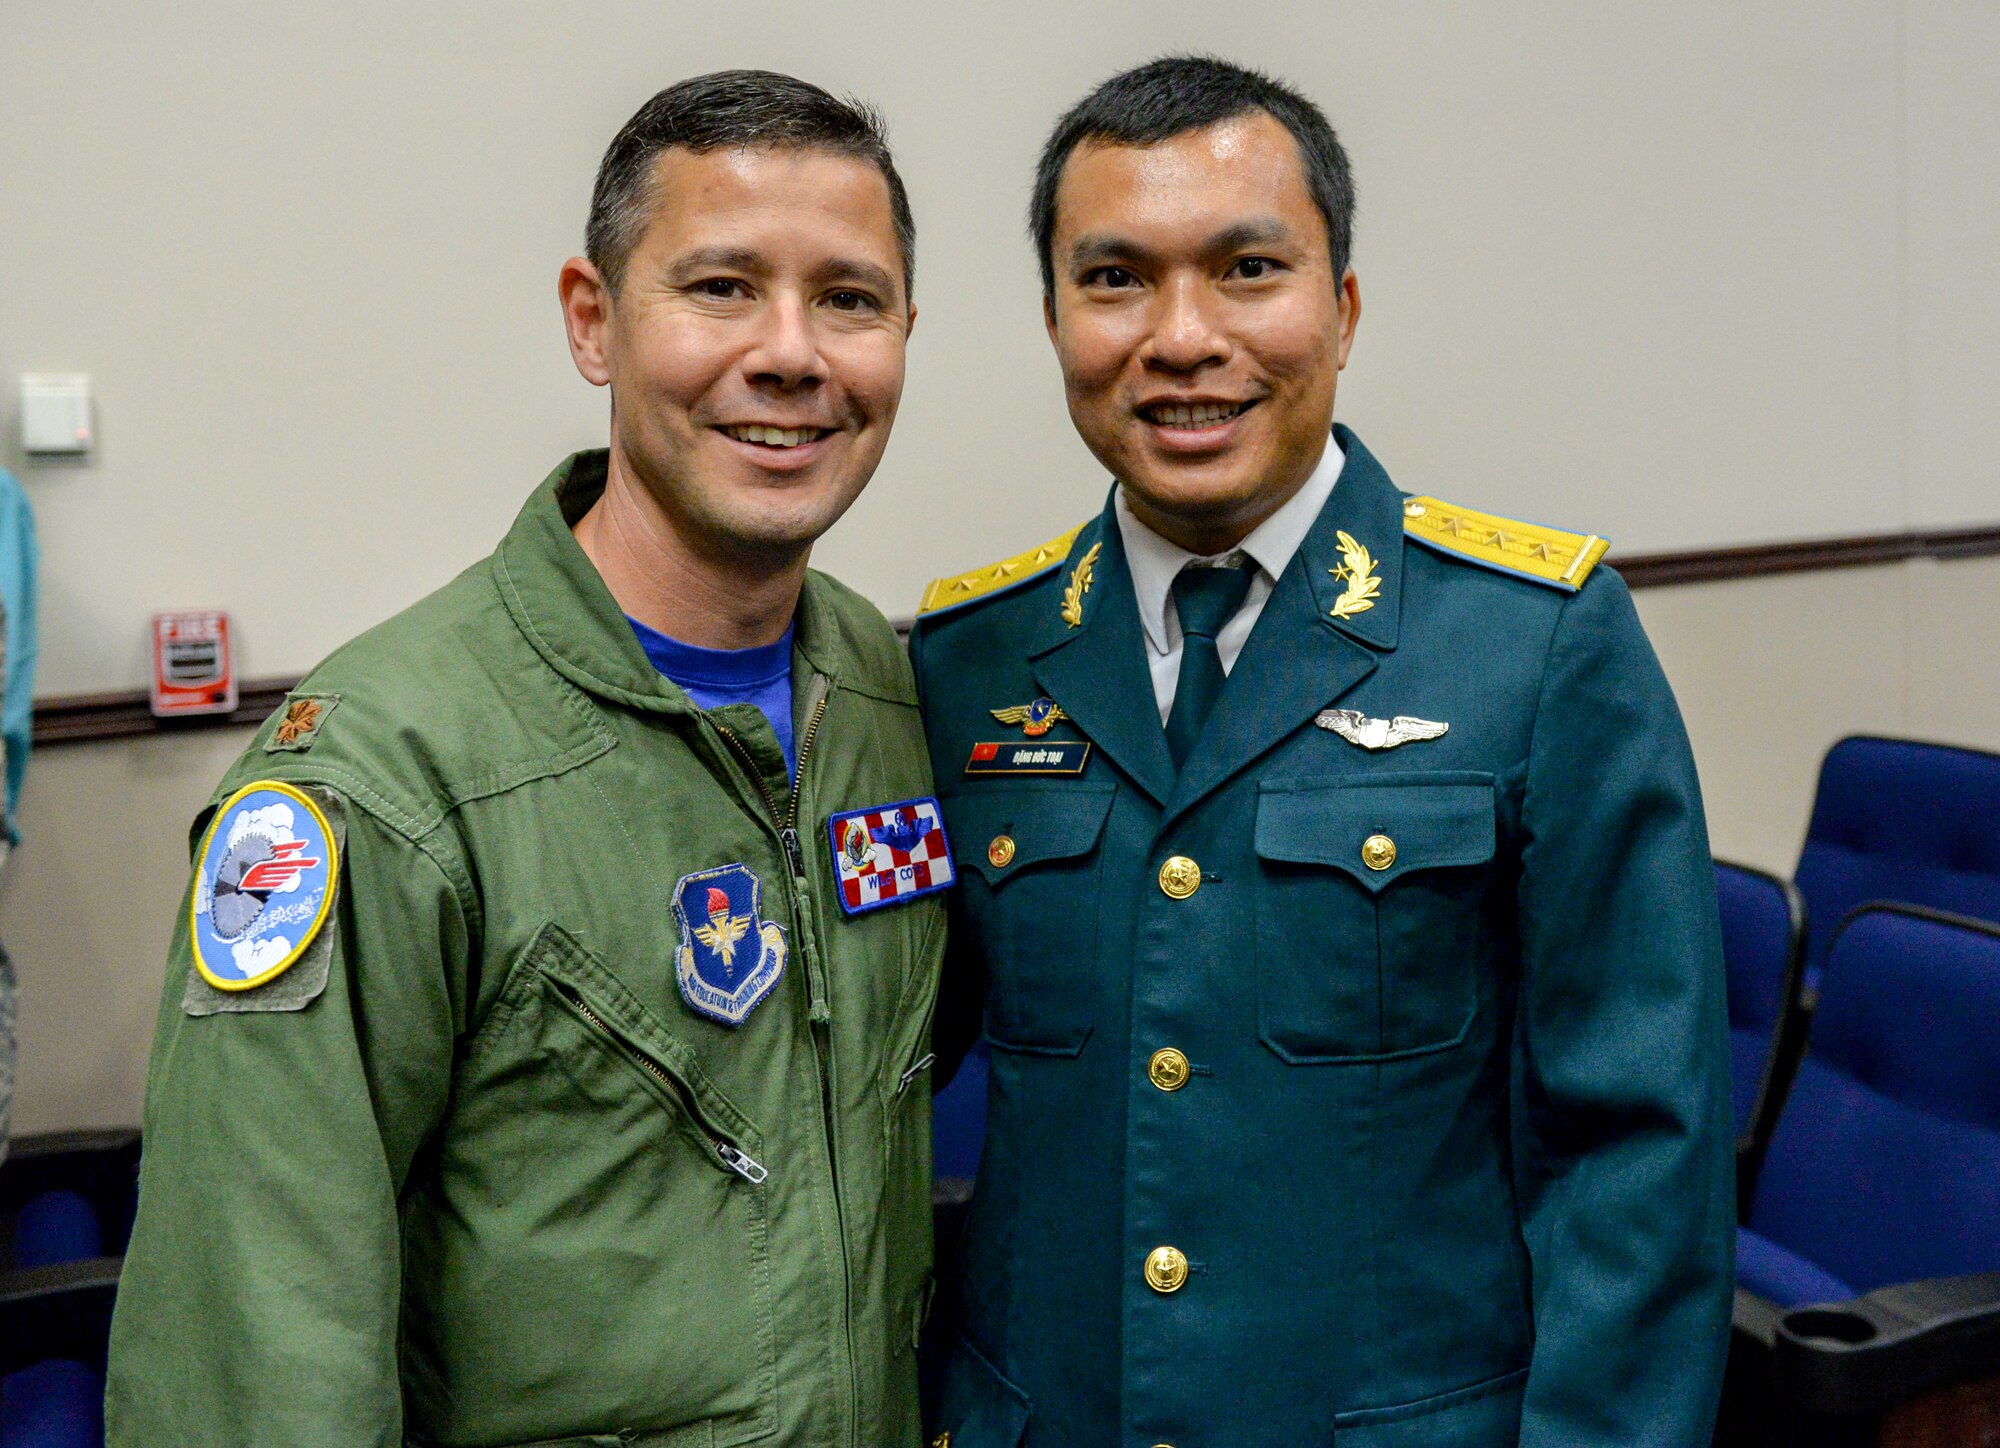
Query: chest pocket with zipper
<point x="1373" y="912"/>
<point x="1030" y="870"/>
<point x="602" y="1236"/>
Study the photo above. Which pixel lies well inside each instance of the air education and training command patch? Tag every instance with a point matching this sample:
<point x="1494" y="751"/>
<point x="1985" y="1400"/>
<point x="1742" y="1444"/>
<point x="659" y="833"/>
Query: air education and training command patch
<point x="729" y="957"/>
<point x="889" y="854"/>
<point x="263" y="885"/>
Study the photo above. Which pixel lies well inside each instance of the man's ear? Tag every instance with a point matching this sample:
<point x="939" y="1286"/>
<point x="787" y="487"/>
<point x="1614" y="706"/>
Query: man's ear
<point x="1350" y="313"/>
<point x="1049" y="319"/>
<point x="586" y="305"/>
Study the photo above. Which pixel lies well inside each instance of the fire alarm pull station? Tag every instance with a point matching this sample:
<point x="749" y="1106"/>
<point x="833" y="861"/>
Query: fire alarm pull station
<point x="193" y="671"/>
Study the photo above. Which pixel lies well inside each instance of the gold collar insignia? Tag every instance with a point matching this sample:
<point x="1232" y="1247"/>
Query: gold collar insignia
<point x="1079" y="585"/>
<point x="1357" y="571"/>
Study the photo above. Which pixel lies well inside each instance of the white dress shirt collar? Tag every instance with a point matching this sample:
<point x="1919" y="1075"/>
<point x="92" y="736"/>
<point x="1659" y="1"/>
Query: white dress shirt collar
<point x="1155" y="562"/>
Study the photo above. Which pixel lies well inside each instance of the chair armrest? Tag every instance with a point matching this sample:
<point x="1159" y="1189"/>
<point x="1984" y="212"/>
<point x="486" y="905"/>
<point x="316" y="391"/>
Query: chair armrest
<point x="1748" y="1414"/>
<point x="101" y="1166"/>
<point x="61" y="1311"/>
<point x="1755" y="1318"/>
<point x="53" y="1146"/>
<point x="1895" y="1344"/>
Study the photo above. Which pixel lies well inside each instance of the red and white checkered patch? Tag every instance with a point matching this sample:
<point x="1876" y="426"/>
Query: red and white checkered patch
<point x="889" y="854"/>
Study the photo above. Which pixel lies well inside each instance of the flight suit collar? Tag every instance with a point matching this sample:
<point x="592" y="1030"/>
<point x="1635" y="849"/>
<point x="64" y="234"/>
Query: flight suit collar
<point x="1330" y="613"/>
<point x="561" y="604"/>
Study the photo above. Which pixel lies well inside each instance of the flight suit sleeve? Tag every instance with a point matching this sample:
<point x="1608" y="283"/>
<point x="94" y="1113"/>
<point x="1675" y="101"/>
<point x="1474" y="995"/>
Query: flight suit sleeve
<point x="1624" y="1155"/>
<point x="962" y="982"/>
<point x="260" y="1294"/>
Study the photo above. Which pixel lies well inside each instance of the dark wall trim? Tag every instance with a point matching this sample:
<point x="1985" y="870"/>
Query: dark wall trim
<point x="1716" y="565"/>
<point x="79" y="718"/>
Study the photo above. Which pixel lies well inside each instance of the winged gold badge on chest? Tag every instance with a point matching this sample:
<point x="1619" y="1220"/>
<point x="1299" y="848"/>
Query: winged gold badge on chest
<point x="1035" y="719"/>
<point x="1357" y="728"/>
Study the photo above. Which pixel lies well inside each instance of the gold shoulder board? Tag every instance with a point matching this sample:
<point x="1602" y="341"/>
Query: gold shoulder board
<point x="946" y="593"/>
<point x="1546" y="555"/>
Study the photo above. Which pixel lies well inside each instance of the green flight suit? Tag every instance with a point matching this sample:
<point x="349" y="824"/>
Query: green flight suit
<point x="1373" y="1097"/>
<point x="472" y="1171"/>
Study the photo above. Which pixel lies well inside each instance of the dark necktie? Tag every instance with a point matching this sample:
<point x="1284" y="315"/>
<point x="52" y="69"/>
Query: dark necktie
<point x="1206" y="599"/>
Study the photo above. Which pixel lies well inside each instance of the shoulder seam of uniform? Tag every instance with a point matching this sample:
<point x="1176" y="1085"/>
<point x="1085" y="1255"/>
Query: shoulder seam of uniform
<point x="419" y="830"/>
<point x="1008" y="573"/>
<point x="1548" y="556"/>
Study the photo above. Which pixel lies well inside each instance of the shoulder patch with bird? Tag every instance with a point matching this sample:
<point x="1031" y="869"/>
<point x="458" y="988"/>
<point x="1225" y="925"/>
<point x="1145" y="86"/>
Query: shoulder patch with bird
<point x="1547" y="556"/>
<point x="963" y="588"/>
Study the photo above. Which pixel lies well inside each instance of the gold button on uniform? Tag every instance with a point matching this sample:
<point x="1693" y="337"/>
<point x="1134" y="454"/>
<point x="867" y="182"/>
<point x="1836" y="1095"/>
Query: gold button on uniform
<point x="1168" y="1069"/>
<point x="1180" y="877"/>
<point x="1166" y="1269"/>
<point x="1000" y="854"/>
<point x="1378" y="852"/>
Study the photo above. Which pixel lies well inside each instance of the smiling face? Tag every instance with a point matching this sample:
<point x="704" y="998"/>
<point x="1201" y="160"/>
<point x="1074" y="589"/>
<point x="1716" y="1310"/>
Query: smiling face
<point x="754" y="349"/>
<point x="1199" y="323"/>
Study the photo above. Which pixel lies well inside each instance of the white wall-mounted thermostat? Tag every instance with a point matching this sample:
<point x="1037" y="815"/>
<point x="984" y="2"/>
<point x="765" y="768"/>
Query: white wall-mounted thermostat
<point x="55" y="414"/>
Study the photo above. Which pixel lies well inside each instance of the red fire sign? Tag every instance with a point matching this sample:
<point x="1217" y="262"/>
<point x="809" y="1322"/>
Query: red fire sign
<point x="193" y="672"/>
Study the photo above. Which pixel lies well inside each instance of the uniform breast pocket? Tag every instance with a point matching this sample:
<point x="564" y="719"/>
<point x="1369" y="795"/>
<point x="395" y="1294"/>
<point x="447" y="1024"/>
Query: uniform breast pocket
<point x="1372" y="917"/>
<point x="1030" y="899"/>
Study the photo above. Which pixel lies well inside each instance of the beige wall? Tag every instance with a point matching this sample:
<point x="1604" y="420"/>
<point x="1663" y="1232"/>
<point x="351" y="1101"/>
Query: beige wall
<point x="1675" y="274"/>
<point x="1771" y="671"/>
<point x="1680" y="275"/>
<point x="86" y="908"/>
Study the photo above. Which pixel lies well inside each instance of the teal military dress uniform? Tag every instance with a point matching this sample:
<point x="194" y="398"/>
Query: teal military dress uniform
<point x="1359" y="1083"/>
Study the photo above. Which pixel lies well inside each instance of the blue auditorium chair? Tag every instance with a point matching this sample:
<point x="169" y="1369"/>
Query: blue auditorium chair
<point x="1869" y="1273"/>
<point x="958" y="1119"/>
<point x="1763" y="948"/>
<point x="54" y="1324"/>
<point x="1899" y="819"/>
<point x="67" y="1194"/>
<point x="67" y="1200"/>
<point x="958" y="1134"/>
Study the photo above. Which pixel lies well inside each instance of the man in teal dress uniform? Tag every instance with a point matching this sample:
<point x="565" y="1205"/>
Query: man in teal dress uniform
<point x="1336" y="898"/>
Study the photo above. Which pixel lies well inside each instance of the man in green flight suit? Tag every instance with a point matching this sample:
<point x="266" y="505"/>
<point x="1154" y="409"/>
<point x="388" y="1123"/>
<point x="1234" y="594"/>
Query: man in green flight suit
<point x="1336" y="897"/>
<point x="544" y="1051"/>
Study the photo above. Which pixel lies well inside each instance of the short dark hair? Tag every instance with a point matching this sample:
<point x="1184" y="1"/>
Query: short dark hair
<point x="1176" y="94"/>
<point x="731" y="108"/>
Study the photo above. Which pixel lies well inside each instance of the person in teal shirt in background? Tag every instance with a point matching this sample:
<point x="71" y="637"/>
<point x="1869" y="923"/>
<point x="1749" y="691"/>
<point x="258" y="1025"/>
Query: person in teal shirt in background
<point x="19" y="558"/>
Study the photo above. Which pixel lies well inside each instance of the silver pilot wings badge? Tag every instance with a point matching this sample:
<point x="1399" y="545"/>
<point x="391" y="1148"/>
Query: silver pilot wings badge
<point x="1357" y="728"/>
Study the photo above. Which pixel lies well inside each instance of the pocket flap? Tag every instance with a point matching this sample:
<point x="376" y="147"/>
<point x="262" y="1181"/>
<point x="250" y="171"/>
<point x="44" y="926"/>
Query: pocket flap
<point x="1428" y="821"/>
<point x="1042" y="822"/>
<point x="565" y="961"/>
<point x="981" y="1409"/>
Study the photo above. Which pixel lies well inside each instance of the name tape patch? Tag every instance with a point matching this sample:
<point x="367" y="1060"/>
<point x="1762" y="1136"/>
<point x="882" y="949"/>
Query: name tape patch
<point x="889" y="854"/>
<point x="1041" y="756"/>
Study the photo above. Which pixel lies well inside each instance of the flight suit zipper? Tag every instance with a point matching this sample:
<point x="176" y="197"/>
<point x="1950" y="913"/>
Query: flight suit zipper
<point x="818" y="1009"/>
<point x="731" y="1156"/>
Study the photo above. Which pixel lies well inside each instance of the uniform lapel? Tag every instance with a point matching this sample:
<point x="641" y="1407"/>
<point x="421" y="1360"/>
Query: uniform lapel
<point x="1309" y="647"/>
<point x="1097" y="670"/>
